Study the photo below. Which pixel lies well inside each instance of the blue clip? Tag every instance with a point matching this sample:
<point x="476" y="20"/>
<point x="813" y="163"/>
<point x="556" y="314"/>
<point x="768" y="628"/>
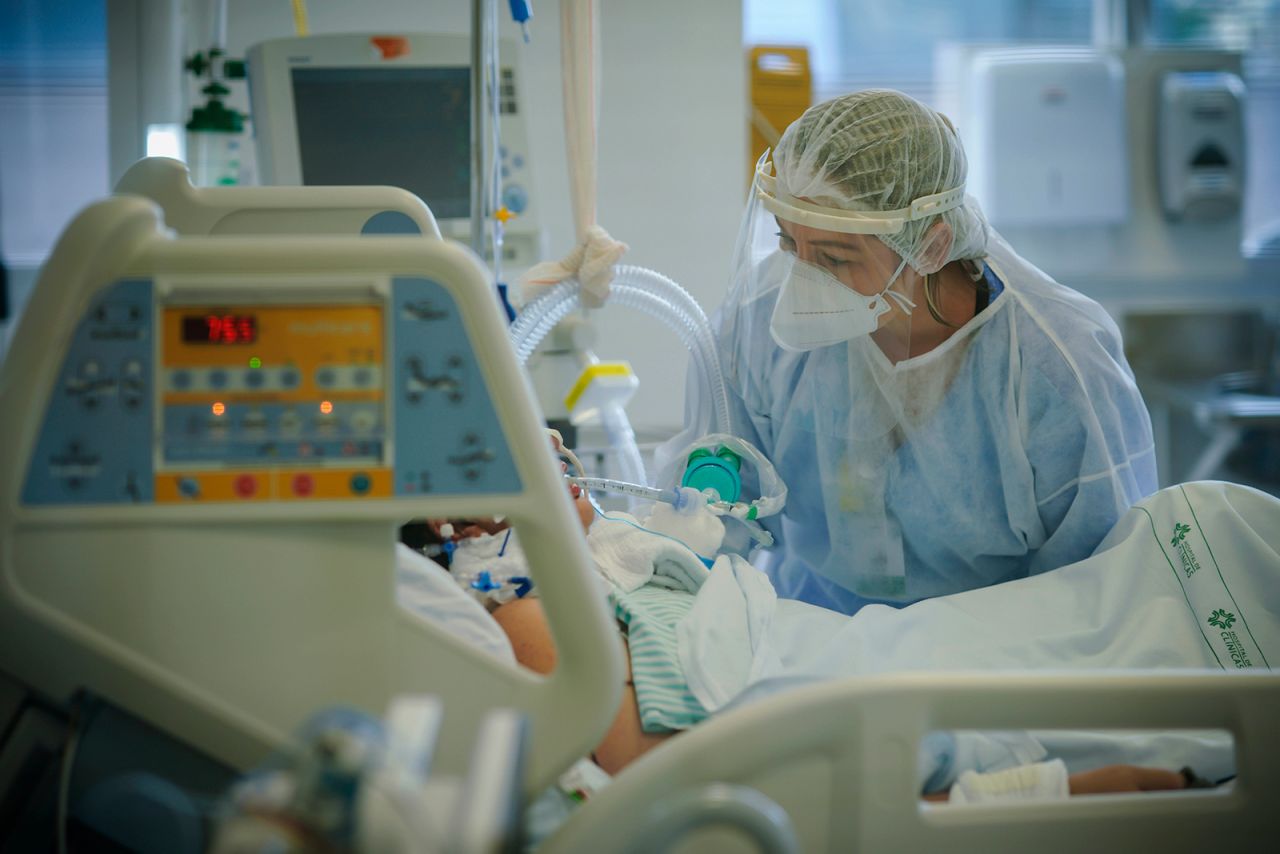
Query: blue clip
<point x="484" y="583"/>
<point x="523" y="585"/>
<point x="506" y="300"/>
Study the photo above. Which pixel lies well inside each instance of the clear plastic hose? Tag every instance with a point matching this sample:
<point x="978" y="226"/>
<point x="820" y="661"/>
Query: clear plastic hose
<point x="654" y="294"/>
<point x="633" y="490"/>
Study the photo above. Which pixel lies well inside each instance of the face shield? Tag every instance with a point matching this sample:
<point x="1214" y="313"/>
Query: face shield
<point x="836" y="279"/>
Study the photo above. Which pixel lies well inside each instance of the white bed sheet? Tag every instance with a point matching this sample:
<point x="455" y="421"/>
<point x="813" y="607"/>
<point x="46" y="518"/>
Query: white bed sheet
<point x="1189" y="578"/>
<point x="425" y="588"/>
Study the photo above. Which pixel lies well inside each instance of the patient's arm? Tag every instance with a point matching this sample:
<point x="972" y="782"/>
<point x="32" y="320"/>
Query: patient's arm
<point x="526" y="625"/>
<point x="1125" y="778"/>
<point x="1110" y="779"/>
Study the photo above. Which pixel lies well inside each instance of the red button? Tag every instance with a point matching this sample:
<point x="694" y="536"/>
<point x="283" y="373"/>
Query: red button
<point x="303" y="484"/>
<point x="246" y="485"/>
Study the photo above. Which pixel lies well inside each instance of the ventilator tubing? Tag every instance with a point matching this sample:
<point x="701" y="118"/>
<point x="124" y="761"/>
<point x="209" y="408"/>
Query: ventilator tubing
<point x="659" y="297"/>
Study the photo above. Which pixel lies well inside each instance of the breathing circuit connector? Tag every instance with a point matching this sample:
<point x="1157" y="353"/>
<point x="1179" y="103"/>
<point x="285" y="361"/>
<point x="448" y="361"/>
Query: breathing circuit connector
<point x="687" y="500"/>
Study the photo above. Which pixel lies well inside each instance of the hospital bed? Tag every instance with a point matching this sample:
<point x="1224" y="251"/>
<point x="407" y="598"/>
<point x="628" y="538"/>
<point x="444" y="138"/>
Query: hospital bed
<point x="832" y="767"/>
<point x="192" y="210"/>
<point x="221" y="593"/>
<point x="222" y="590"/>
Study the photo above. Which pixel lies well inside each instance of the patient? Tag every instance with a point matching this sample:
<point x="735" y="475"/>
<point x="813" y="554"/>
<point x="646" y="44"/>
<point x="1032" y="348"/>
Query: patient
<point x="524" y="623"/>
<point x="635" y="729"/>
<point x="526" y="626"/>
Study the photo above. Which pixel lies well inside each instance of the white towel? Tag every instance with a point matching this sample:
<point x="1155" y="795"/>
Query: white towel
<point x="498" y="554"/>
<point x="630" y="557"/>
<point x="1043" y="781"/>
<point x="697" y="527"/>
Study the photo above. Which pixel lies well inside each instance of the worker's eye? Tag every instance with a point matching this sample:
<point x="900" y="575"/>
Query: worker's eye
<point x="832" y="261"/>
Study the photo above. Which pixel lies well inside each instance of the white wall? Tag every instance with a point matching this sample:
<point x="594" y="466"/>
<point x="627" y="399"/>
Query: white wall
<point x="672" y="139"/>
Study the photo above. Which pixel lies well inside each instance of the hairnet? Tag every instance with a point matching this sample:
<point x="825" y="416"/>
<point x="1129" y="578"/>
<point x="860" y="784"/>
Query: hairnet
<point x="880" y="150"/>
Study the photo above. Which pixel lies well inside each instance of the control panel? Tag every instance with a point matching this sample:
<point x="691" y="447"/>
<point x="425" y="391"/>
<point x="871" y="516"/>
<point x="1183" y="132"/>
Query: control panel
<point x="96" y="442"/>
<point x="290" y="386"/>
<point x="357" y="390"/>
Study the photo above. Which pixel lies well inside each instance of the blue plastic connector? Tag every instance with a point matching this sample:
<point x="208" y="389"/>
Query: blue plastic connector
<point x="521" y="12"/>
<point x="506" y="302"/>
<point x="485" y="583"/>
<point x="686" y="500"/>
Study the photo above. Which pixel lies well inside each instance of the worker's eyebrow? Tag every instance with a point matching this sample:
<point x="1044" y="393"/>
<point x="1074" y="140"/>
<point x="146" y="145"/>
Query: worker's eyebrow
<point x="837" y="244"/>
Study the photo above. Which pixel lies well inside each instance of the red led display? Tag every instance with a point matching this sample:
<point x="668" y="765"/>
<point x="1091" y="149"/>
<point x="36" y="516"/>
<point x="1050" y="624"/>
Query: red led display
<point x="219" y="329"/>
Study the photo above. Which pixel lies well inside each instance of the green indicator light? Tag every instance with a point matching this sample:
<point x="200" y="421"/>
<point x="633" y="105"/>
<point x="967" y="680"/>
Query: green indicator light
<point x="255" y="363"/>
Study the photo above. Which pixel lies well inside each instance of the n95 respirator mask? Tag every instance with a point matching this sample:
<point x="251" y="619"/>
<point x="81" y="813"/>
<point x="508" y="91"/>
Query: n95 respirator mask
<point x="815" y="309"/>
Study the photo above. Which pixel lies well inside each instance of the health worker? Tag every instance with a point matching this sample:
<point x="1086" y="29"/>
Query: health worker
<point x="945" y="415"/>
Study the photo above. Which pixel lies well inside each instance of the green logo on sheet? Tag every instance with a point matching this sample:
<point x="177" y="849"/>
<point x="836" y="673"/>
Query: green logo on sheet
<point x="1236" y="648"/>
<point x="1190" y="564"/>
<point x="1222" y="619"/>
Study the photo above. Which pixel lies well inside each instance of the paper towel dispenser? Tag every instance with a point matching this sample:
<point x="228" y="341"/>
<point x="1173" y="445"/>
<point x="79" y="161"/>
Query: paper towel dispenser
<point x="1048" y="142"/>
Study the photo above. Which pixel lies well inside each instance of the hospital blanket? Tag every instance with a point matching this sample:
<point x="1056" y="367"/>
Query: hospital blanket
<point x="1188" y="578"/>
<point x="650" y="614"/>
<point x="653" y="577"/>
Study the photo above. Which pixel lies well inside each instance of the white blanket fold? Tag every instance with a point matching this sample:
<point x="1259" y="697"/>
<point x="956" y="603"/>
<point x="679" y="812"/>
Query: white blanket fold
<point x="1189" y="578"/>
<point x="630" y="556"/>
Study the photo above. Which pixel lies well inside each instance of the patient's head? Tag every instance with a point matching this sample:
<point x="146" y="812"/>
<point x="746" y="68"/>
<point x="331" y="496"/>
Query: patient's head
<point x="464" y="529"/>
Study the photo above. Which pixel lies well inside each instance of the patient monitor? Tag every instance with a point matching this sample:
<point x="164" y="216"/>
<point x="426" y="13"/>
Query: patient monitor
<point x="392" y="110"/>
<point x="206" y="445"/>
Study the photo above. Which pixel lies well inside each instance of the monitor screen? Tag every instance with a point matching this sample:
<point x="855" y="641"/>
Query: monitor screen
<point x="403" y="127"/>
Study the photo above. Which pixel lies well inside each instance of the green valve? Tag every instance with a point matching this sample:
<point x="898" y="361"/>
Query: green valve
<point x="719" y="472"/>
<point x="215" y="117"/>
<point x="255" y="363"/>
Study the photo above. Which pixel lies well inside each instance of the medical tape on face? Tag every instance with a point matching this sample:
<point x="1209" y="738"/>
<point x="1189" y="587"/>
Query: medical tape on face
<point x="846" y="221"/>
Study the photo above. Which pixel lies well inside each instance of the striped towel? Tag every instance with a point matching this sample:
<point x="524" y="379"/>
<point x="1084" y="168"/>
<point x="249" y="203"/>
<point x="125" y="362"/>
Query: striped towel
<point x="651" y="614"/>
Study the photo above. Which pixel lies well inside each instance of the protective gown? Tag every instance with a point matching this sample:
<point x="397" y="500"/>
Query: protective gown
<point x="1009" y="450"/>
